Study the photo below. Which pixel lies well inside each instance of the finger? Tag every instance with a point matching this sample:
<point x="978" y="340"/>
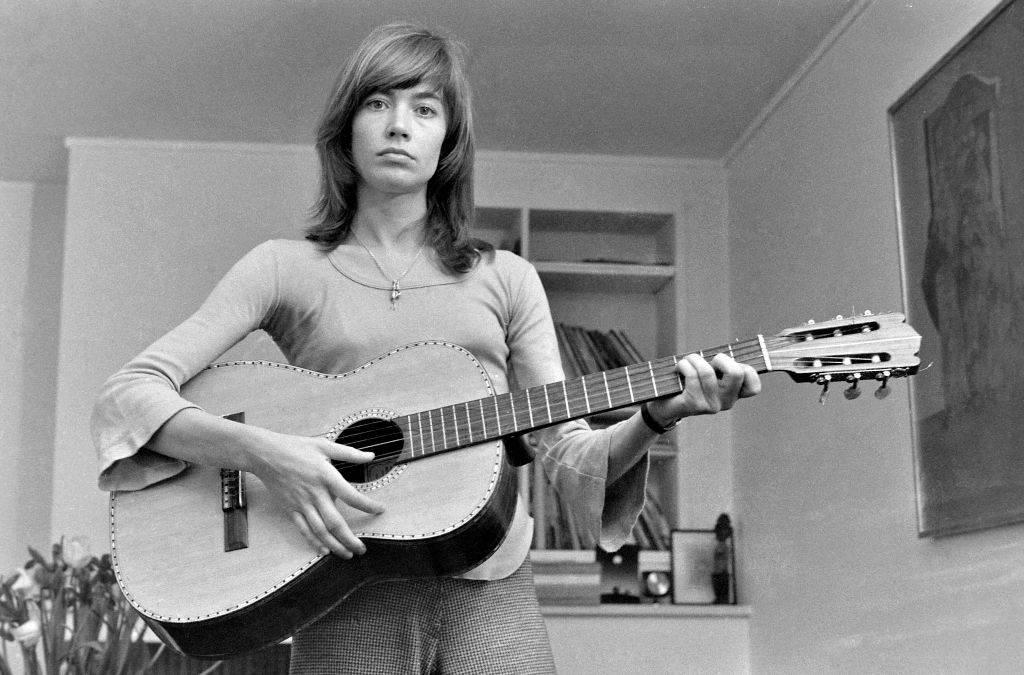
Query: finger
<point x="347" y="493"/>
<point x="731" y="377"/>
<point x="751" y="383"/>
<point x="339" y="528"/>
<point x="325" y="535"/>
<point x="300" y="524"/>
<point x="345" y="453"/>
<point x="706" y="383"/>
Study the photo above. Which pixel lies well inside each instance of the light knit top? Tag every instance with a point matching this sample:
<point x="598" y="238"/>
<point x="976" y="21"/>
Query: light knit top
<point x="330" y="312"/>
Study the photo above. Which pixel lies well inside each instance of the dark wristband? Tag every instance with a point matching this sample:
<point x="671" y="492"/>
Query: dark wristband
<point x="651" y="424"/>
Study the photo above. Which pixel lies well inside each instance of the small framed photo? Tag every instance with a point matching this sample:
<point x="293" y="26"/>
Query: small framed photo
<point x="702" y="568"/>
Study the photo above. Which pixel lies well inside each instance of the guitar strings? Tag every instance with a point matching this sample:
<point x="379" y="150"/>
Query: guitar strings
<point x="749" y="352"/>
<point x="615" y="378"/>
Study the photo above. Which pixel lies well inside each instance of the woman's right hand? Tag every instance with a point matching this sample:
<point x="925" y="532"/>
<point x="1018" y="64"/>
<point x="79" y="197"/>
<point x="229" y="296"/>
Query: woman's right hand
<point x="299" y="475"/>
<point x="296" y="470"/>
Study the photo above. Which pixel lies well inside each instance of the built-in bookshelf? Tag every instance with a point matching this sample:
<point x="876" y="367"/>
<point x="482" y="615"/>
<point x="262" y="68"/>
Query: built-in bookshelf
<point x="610" y="277"/>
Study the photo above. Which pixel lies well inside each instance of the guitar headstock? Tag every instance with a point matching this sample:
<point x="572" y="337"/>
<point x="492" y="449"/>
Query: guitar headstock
<point x="851" y="349"/>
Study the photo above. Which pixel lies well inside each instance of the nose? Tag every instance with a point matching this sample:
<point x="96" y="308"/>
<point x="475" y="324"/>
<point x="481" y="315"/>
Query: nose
<point x="397" y="125"/>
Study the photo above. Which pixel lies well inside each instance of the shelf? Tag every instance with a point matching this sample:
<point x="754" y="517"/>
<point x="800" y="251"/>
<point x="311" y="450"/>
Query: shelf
<point x="604" y="277"/>
<point x="649" y="609"/>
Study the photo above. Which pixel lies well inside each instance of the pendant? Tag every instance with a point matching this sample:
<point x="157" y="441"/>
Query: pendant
<point x="396" y="293"/>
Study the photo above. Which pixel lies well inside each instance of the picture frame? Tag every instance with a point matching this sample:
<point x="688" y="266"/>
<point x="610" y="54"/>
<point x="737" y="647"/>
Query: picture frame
<point x="957" y="142"/>
<point x="697" y="555"/>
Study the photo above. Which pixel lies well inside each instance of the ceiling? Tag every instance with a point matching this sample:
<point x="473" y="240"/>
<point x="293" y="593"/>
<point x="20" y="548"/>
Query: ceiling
<point x="673" y="78"/>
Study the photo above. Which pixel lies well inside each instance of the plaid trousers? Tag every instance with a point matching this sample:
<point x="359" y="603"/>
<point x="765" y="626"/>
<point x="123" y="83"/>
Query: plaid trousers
<point x="435" y="626"/>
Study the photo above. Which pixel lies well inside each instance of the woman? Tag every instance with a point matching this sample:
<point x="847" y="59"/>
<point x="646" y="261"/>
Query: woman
<point x="389" y="262"/>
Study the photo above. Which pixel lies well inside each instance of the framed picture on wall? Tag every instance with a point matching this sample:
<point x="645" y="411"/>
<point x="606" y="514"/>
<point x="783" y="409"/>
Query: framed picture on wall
<point x="958" y="155"/>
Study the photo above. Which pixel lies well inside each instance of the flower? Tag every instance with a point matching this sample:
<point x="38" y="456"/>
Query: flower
<point x="28" y="633"/>
<point x="25" y="585"/>
<point x="68" y="617"/>
<point x="75" y="552"/>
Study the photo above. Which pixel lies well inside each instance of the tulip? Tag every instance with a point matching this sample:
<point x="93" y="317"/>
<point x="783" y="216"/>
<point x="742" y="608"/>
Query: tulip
<point x="25" y="585"/>
<point x="75" y="552"/>
<point x="28" y="633"/>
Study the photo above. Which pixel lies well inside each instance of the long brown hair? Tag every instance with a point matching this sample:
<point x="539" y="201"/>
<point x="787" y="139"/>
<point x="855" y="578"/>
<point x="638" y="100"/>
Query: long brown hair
<point x="398" y="56"/>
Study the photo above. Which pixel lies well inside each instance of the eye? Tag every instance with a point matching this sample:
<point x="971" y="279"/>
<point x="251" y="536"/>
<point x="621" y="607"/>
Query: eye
<point x="425" y="111"/>
<point x="375" y="103"/>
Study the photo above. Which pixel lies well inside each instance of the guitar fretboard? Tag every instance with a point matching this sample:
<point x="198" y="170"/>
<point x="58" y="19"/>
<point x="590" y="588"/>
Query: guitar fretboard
<point x="472" y="422"/>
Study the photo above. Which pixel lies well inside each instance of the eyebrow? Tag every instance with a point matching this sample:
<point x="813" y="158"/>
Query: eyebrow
<point x="427" y="94"/>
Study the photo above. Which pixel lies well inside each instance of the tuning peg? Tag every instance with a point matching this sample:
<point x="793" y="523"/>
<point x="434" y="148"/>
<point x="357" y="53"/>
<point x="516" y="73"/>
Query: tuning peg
<point x="883" y="390"/>
<point x="853" y="391"/>
<point x="824" y="381"/>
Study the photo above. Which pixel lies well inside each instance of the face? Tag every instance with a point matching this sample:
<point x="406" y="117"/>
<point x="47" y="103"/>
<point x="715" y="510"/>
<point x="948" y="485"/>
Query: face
<point x="396" y="139"/>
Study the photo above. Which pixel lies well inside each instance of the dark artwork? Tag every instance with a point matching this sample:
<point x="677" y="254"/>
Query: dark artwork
<point x="963" y="245"/>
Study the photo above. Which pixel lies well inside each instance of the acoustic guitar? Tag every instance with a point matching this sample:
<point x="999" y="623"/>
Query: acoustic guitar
<point x="216" y="568"/>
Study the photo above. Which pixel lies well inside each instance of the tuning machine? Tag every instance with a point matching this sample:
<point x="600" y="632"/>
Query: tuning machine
<point x="853" y="391"/>
<point x="824" y="381"/>
<point x="883" y="390"/>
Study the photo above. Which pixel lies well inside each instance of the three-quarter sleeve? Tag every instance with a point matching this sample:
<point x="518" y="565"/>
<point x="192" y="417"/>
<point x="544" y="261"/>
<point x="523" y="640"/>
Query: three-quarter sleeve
<point x="574" y="456"/>
<point x="140" y="397"/>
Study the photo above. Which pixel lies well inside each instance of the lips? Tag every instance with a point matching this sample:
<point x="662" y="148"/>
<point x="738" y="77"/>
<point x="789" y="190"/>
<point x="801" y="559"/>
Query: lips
<point x="394" y="151"/>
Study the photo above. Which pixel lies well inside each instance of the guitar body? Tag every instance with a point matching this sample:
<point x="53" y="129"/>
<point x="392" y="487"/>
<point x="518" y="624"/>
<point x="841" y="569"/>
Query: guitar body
<point x="445" y="514"/>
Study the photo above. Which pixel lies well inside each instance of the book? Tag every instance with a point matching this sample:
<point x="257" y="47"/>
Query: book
<point x="590" y="350"/>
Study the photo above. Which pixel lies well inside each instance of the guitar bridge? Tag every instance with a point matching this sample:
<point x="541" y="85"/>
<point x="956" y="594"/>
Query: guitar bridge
<point x="232" y="503"/>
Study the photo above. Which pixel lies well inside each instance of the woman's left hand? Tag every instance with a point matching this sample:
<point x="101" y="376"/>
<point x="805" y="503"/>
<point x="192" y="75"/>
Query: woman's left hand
<point x="709" y="387"/>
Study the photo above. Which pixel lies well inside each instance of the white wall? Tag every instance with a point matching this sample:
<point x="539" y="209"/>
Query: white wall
<point x="32" y="231"/>
<point x="832" y="564"/>
<point x="149" y="232"/>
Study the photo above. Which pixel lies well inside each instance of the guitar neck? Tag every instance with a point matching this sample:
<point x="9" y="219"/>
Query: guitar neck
<point x="866" y="346"/>
<point x="494" y="417"/>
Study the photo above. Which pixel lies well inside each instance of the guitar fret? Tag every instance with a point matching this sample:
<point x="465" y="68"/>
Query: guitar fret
<point x="586" y="395"/>
<point x="643" y="382"/>
<point x="565" y="395"/>
<point x="406" y="434"/>
<point x="419" y="421"/>
<point x="469" y="424"/>
<point x="483" y="418"/>
<point x="547" y="403"/>
<point x="764" y="353"/>
<point x="430" y="421"/>
<point x="629" y="385"/>
<point x="607" y="391"/>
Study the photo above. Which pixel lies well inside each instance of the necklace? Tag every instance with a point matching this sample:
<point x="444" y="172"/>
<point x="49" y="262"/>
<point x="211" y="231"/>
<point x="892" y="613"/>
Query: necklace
<point x="396" y="288"/>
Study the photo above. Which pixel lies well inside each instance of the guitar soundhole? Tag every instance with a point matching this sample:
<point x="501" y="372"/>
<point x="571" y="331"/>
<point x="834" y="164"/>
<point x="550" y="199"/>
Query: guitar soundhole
<point x="381" y="437"/>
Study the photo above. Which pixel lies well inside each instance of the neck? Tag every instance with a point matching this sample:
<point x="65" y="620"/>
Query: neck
<point x="394" y="222"/>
